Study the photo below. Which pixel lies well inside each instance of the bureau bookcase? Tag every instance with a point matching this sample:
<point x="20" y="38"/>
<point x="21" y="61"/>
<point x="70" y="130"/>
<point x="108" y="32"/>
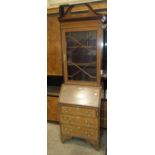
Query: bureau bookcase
<point x="80" y="95"/>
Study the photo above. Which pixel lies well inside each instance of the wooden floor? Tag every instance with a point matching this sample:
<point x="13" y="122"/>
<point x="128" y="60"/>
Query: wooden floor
<point x="71" y="147"/>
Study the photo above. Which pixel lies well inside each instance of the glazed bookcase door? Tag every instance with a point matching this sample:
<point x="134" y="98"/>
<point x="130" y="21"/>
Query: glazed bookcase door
<point x="81" y="56"/>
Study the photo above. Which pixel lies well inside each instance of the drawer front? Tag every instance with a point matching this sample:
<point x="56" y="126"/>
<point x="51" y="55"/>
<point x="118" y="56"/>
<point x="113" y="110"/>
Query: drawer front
<point x="82" y="132"/>
<point x="80" y="121"/>
<point x="78" y="111"/>
<point x="52" y="109"/>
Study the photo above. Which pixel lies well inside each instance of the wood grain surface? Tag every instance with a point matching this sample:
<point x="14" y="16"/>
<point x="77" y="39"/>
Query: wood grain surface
<point x="54" y="56"/>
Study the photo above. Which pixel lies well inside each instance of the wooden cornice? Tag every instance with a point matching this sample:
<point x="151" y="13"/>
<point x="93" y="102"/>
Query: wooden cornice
<point x="69" y="16"/>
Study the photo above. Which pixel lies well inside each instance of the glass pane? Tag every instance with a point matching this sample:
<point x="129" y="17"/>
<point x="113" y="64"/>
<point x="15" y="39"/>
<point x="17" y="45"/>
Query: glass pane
<point x="81" y="55"/>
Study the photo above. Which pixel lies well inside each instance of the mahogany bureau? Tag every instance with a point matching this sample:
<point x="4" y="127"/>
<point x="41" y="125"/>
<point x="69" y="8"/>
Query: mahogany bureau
<point x="80" y="113"/>
<point x="80" y="96"/>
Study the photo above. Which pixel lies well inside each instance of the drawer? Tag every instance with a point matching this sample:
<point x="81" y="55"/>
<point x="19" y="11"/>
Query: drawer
<point x="79" y="121"/>
<point x="79" y="111"/>
<point x="77" y="131"/>
<point x="52" y="109"/>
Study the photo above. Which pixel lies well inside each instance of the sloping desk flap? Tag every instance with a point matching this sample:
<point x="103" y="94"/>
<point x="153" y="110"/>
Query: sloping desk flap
<point x="80" y="95"/>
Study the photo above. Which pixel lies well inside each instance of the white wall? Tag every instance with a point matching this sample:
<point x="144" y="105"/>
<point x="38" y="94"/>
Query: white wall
<point x="56" y="3"/>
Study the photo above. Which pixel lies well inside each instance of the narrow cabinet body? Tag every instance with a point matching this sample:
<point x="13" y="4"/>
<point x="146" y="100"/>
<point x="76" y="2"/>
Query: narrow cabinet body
<point x="54" y="57"/>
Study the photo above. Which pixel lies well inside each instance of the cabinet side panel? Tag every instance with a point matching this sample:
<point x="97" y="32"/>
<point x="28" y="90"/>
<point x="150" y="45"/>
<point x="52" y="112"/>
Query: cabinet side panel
<point x="52" y="109"/>
<point x="54" y="56"/>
